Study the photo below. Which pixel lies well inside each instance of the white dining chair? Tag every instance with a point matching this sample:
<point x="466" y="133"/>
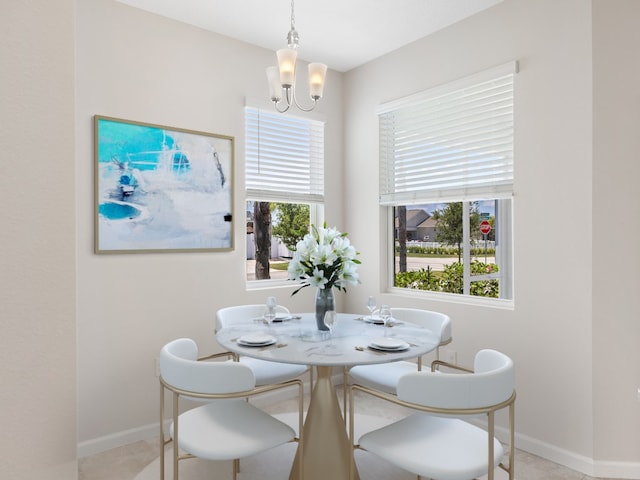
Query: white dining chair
<point x="265" y="372"/>
<point x="385" y="377"/>
<point x="435" y="441"/>
<point x="226" y="427"/>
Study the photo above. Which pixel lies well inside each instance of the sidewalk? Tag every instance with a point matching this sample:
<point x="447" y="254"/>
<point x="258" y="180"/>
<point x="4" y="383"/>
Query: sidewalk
<point x="275" y="274"/>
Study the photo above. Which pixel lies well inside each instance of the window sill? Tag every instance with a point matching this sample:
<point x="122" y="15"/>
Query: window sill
<point x="454" y="298"/>
<point x="253" y="285"/>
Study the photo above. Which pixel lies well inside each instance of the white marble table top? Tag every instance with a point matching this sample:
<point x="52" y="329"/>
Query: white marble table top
<point x="299" y="341"/>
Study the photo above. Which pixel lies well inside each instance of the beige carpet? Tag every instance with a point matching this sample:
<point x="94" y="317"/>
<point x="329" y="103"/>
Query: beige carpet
<point x="275" y="464"/>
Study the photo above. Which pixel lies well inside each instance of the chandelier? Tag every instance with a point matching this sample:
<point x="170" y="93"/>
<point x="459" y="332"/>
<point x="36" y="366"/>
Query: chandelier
<point x="282" y="78"/>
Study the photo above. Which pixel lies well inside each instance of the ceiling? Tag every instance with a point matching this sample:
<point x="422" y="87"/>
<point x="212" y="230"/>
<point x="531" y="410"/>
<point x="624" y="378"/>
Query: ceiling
<point x="341" y="33"/>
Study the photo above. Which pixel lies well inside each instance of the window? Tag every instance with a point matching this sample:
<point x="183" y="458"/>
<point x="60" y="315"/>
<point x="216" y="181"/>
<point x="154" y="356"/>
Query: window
<point x="284" y="187"/>
<point x="446" y="176"/>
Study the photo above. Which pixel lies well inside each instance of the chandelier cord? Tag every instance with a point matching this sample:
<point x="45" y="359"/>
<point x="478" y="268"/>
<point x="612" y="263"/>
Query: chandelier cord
<point x="293" y="17"/>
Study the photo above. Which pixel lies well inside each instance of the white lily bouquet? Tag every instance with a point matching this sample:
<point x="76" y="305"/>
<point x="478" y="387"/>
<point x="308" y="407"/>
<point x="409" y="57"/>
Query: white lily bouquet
<point x="325" y="259"/>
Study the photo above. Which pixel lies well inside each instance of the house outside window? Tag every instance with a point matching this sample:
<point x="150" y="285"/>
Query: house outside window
<point x="284" y="172"/>
<point x="446" y="179"/>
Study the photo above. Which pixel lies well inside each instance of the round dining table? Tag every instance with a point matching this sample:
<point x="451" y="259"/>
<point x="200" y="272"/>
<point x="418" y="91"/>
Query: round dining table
<point x="355" y="340"/>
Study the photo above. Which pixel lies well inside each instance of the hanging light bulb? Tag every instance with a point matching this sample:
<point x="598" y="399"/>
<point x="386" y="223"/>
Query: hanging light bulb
<point x="282" y="78"/>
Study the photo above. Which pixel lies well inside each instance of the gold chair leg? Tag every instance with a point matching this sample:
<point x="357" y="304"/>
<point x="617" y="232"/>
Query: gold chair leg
<point x="162" y="442"/>
<point x="301" y="426"/>
<point x="490" y="421"/>
<point x="175" y="435"/>
<point x="236" y="468"/>
<point x="512" y="448"/>
<point x="345" y="384"/>
<point x="351" y="430"/>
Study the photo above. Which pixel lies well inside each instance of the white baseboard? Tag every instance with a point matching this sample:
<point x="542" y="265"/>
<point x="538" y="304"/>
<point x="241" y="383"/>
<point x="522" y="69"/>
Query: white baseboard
<point x="148" y="432"/>
<point x="572" y="460"/>
<point x="118" y="439"/>
<point x="628" y="470"/>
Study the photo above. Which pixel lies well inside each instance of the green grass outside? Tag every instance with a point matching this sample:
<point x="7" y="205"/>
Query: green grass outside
<point x="279" y="265"/>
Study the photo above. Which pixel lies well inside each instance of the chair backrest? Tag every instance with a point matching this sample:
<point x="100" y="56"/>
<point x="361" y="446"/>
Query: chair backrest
<point x="492" y="382"/>
<point x="228" y="316"/>
<point x="437" y="322"/>
<point x="179" y="368"/>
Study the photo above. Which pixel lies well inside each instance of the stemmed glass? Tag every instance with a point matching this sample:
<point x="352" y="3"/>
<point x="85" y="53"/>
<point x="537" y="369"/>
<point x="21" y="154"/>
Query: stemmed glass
<point x="330" y="318"/>
<point x="270" y="311"/>
<point x="371" y="305"/>
<point x="385" y="315"/>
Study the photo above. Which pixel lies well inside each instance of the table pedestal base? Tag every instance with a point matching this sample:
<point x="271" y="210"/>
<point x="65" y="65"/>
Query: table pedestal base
<point x="326" y="448"/>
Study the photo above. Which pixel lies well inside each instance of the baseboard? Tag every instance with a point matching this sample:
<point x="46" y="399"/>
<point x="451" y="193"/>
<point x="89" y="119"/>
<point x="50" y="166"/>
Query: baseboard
<point x="118" y="439"/>
<point x="572" y="460"/>
<point x="628" y="470"/>
<point x="148" y="432"/>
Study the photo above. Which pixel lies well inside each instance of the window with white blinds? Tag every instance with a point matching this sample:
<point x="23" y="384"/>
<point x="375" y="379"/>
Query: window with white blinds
<point x="449" y="143"/>
<point x="284" y="157"/>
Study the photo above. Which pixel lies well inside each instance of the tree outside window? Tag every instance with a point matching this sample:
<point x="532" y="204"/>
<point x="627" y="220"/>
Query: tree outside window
<point x="274" y="229"/>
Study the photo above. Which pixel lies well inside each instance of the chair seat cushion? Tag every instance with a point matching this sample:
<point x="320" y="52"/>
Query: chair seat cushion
<point x="383" y="377"/>
<point x="434" y="447"/>
<point x="272" y="372"/>
<point x="229" y="429"/>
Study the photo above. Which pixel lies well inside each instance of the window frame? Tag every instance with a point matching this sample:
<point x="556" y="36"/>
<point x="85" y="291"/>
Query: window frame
<point x="315" y="198"/>
<point x="504" y="213"/>
<point x="504" y="259"/>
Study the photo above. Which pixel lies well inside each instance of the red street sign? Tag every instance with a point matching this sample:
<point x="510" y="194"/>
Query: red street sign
<point x="485" y="227"/>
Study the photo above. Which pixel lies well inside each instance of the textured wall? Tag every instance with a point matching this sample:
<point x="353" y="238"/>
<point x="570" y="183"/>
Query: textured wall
<point x="548" y="333"/>
<point x="616" y="256"/>
<point x="139" y="66"/>
<point x="37" y="241"/>
<point x="574" y="330"/>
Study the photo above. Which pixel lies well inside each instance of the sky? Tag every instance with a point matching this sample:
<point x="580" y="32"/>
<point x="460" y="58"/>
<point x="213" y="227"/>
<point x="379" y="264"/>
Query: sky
<point x="484" y="206"/>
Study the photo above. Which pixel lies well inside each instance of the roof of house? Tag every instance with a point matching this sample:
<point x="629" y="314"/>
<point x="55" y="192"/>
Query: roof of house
<point x="428" y="223"/>
<point x="414" y="218"/>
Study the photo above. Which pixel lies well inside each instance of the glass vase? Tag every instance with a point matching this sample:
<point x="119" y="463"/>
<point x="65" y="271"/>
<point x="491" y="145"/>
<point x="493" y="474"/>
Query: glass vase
<point x="325" y="300"/>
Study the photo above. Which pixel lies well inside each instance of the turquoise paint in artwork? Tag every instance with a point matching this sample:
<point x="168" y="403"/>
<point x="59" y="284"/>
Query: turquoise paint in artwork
<point x="139" y="145"/>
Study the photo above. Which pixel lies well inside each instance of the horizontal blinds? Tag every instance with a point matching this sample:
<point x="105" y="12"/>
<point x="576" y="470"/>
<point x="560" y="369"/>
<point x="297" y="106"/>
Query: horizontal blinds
<point x="284" y="157"/>
<point x="449" y="144"/>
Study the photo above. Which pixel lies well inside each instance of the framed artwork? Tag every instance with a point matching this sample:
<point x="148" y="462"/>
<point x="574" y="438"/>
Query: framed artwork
<point x="161" y="189"/>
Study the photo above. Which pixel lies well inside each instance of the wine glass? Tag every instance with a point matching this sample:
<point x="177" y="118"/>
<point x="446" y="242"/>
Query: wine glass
<point x="270" y="311"/>
<point x="385" y="315"/>
<point x="371" y="305"/>
<point x="330" y="318"/>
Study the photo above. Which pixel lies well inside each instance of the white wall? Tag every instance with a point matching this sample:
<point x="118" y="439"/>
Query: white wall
<point x="37" y="242"/>
<point x="563" y="412"/>
<point x="144" y="67"/>
<point x="616" y="230"/>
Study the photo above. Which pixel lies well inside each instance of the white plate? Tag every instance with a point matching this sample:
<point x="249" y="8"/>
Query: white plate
<point x="386" y="343"/>
<point x="282" y="317"/>
<point x="374" y="319"/>
<point x="388" y="350"/>
<point x="256" y="340"/>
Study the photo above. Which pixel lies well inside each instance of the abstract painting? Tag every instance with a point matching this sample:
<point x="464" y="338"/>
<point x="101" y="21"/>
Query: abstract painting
<point x="161" y="189"/>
